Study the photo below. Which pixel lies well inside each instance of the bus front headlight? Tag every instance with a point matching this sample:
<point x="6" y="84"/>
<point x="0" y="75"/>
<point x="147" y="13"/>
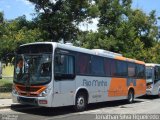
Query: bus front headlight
<point x="45" y="92"/>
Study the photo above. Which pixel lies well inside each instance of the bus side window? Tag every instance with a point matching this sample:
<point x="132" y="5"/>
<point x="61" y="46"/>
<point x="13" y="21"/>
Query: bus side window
<point x="140" y="71"/>
<point x="113" y="67"/>
<point x="64" y="67"/>
<point x="108" y="67"/>
<point x="121" y="69"/>
<point x="157" y="73"/>
<point x="83" y="64"/>
<point x="97" y="66"/>
<point x="131" y="70"/>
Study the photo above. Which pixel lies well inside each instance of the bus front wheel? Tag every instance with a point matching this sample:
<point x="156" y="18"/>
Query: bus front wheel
<point x="81" y="102"/>
<point x="130" y="98"/>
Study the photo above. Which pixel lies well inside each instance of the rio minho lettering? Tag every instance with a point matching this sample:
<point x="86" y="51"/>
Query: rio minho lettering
<point x="98" y="83"/>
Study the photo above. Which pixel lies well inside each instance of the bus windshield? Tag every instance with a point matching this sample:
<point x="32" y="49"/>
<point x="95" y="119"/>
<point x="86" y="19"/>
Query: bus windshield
<point x="33" y="69"/>
<point x="149" y="75"/>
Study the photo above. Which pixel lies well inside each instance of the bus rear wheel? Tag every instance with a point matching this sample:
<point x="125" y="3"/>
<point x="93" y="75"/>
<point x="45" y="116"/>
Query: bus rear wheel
<point x="159" y="93"/>
<point x="130" y="98"/>
<point x="81" y="102"/>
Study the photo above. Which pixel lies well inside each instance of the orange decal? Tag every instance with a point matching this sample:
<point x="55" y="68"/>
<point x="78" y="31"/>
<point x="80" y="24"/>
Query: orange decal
<point x="139" y="62"/>
<point x="120" y="58"/>
<point x="33" y="91"/>
<point x="118" y="87"/>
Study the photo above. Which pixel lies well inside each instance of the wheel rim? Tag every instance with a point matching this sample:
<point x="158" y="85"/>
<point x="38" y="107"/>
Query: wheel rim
<point x="81" y="102"/>
<point x="130" y="97"/>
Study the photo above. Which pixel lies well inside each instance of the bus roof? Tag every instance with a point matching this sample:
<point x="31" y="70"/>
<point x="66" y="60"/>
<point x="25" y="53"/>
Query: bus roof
<point x="98" y="52"/>
<point x="151" y="64"/>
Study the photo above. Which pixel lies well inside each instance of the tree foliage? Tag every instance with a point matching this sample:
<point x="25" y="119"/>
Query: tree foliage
<point x="121" y="28"/>
<point x="14" y="33"/>
<point x="60" y="18"/>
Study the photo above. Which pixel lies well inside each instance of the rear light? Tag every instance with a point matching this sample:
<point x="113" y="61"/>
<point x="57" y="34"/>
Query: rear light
<point x="43" y="101"/>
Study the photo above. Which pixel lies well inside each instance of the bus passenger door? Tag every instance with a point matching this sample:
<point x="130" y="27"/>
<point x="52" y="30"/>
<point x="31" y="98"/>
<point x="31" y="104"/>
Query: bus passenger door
<point x="64" y="71"/>
<point x="156" y="82"/>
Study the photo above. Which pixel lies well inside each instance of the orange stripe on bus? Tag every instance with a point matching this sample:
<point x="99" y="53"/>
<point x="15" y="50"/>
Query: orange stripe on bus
<point x="129" y="59"/>
<point x="120" y="58"/>
<point x="140" y="87"/>
<point x="118" y="87"/>
<point x="139" y="62"/>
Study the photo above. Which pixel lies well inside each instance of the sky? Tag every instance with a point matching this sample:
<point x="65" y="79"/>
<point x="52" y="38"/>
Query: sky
<point x="14" y="8"/>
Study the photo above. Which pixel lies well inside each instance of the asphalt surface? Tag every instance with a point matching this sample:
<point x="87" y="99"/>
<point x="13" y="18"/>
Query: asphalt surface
<point x="144" y="107"/>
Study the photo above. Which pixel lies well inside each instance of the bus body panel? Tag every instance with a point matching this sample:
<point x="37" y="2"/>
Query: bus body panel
<point x="96" y="86"/>
<point x="112" y="91"/>
<point x="154" y="90"/>
<point x="64" y="96"/>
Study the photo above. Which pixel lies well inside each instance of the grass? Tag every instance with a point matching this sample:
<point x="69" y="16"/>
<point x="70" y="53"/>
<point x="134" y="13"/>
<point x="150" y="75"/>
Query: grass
<point x="6" y="81"/>
<point x="5" y="85"/>
<point x="5" y="88"/>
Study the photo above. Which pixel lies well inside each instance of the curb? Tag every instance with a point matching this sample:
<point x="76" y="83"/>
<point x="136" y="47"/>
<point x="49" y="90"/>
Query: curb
<point x="4" y="107"/>
<point x="19" y="107"/>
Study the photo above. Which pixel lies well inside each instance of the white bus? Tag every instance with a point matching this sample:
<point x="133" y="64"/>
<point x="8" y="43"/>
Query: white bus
<point x="52" y="74"/>
<point x="153" y="79"/>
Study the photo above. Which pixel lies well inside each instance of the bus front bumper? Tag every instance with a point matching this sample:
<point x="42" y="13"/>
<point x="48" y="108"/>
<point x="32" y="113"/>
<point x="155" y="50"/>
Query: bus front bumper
<point x="151" y="92"/>
<point x="148" y="92"/>
<point x="36" y="101"/>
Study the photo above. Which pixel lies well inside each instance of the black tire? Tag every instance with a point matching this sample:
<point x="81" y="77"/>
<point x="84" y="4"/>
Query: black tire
<point x="159" y="93"/>
<point x="130" y="97"/>
<point x="81" y="102"/>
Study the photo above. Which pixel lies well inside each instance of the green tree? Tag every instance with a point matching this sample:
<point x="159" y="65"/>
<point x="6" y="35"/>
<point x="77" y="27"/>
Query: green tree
<point x="145" y="27"/>
<point x="114" y="32"/>
<point x="15" y="33"/>
<point x="60" y="18"/>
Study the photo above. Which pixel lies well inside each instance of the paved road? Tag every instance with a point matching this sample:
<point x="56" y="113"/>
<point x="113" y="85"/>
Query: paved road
<point x="107" y="110"/>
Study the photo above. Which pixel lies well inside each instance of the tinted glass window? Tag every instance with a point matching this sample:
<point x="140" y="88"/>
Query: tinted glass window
<point x="140" y="71"/>
<point x="35" y="48"/>
<point x="157" y="73"/>
<point x="107" y="65"/>
<point x="131" y="70"/>
<point x="97" y="66"/>
<point x="149" y="74"/>
<point x="65" y="66"/>
<point x="83" y="64"/>
<point x="113" y="67"/>
<point x="121" y="68"/>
